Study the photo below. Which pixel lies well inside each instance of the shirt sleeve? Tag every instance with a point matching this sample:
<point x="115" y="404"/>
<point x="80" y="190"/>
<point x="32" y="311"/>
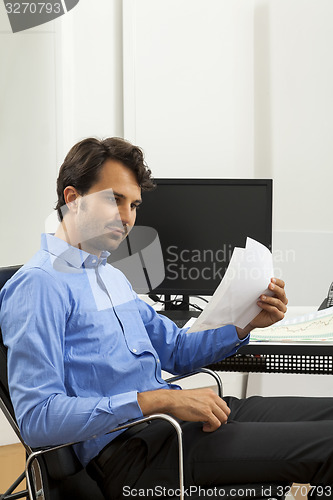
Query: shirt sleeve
<point x="181" y="352"/>
<point x="33" y="315"/>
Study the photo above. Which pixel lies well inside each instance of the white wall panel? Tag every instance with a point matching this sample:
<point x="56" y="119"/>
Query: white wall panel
<point x="188" y="86"/>
<point x="90" y="67"/>
<point x="301" y="66"/>
<point x="301" y="112"/>
<point x="27" y="142"/>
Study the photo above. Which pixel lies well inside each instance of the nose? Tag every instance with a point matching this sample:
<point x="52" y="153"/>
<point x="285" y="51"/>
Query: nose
<point x="126" y="215"/>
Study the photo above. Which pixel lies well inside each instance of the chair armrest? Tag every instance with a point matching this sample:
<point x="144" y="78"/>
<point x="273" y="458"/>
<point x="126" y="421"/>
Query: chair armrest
<point x="158" y="416"/>
<point x="201" y="370"/>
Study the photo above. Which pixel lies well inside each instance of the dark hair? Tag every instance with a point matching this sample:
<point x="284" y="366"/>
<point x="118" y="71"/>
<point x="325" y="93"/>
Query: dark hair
<point x="83" y="163"/>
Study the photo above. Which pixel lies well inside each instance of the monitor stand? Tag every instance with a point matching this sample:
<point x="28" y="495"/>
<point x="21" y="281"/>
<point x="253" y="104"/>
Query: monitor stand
<point x="180" y="310"/>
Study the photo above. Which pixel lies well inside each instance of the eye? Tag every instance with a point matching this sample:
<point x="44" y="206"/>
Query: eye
<point x="113" y="199"/>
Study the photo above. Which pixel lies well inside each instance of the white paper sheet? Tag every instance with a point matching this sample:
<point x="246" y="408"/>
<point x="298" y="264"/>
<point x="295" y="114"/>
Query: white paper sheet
<point x="235" y="299"/>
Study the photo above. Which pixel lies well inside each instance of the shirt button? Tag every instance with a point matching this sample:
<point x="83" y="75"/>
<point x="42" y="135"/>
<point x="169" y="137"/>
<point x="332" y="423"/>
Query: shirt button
<point x="94" y="261"/>
<point x="158" y="360"/>
<point x="134" y="350"/>
<point x="237" y="343"/>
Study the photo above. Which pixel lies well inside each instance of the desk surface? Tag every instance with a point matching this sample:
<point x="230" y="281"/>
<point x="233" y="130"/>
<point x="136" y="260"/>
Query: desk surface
<point x="293" y="348"/>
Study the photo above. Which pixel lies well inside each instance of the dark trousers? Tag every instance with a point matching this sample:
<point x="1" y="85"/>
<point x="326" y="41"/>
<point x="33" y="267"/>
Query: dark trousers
<point x="284" y="439"/>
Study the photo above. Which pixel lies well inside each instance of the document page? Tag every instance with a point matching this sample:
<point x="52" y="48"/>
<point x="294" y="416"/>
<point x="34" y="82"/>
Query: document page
<point x="235" y="299"/>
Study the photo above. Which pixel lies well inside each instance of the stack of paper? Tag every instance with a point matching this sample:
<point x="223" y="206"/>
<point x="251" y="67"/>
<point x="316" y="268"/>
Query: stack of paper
<point x="235" y="299"/>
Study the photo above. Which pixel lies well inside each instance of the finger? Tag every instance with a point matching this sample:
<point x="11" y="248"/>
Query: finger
<point x="278" y="282"/>
<point x="218" y="414"/>
<point x="279" y="292"/>
<point x="208" y="428"/>
<point x="221" y="415"/>
<point x="272" y="310"/>
<point x="211" y="424"/>
<point x="221" y="410"/>
<point x="273" y="301"/>
<point x="223" y="405"/>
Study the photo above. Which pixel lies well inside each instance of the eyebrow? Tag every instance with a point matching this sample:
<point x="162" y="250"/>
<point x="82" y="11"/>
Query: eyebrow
<point x="139" y="201"/>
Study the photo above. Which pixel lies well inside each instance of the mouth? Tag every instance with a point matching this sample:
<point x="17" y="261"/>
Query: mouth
<point x="116" y="230"/>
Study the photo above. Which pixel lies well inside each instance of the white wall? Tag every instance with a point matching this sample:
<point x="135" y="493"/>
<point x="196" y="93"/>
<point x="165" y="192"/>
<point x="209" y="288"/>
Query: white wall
<point x="27" y="137"/>
<point x="299" y="117"/>
<point x="89" y="61"/>
<point x="188" y="81"/>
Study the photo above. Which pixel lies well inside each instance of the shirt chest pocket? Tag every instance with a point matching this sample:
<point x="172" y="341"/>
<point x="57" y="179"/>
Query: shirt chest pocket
<point x="134" y="331"/>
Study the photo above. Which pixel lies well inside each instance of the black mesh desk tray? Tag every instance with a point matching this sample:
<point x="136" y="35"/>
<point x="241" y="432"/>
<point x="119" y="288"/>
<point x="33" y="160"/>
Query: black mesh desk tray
<point x="280" y="358"/>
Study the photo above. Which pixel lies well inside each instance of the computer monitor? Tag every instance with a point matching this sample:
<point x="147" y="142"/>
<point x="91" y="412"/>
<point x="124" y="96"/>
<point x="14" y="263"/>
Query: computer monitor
<point x="199" y="222"/>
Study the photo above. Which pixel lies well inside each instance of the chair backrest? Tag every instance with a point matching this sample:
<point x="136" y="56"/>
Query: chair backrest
<point x="5" y="402"/>
<point x="6" y="273"/>
<point x="63" y="476"/>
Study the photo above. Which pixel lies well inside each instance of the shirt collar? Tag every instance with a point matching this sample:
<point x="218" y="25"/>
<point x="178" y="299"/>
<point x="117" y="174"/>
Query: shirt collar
<point x="71" y="255"/>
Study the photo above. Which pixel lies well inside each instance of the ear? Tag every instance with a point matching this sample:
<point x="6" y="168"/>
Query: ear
<point x="71" y="196"/>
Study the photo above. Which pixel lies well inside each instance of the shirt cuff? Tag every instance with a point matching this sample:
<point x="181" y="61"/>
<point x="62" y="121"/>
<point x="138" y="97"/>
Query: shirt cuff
<point x="125" y="406"/>
<point x="239" y="341"/>
<point x="234" y="342"/>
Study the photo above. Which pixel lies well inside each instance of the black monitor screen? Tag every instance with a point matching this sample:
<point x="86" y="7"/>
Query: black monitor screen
<point x="199" y="222"/>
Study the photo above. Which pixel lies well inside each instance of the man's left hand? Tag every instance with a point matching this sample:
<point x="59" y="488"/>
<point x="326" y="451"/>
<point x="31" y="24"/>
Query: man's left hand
<point x="273" y="308"/>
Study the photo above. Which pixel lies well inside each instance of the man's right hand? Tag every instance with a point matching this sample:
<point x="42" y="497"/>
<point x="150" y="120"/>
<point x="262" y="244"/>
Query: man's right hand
<point x="194" y="405"/>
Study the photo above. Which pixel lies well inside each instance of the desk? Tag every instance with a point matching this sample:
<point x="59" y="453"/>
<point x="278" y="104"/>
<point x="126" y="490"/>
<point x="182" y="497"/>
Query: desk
<point x="273" y="357"/>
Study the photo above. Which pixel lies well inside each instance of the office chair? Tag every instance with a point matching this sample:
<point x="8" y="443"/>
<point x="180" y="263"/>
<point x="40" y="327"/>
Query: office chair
<point x="55" y="473"/>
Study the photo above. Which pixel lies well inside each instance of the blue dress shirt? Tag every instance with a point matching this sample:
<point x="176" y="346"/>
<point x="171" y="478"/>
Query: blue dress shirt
<point x="81" y="345"/>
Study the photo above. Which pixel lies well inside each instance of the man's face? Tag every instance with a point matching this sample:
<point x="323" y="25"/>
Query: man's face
<point x="107" y="212"/>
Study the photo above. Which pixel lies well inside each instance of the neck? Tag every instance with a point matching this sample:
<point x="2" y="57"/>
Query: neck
<point x="62" y="233"/>
<point x="65" y="233"/>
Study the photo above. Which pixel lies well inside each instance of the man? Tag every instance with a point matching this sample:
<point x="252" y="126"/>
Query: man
<point x="90" y="354"/>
